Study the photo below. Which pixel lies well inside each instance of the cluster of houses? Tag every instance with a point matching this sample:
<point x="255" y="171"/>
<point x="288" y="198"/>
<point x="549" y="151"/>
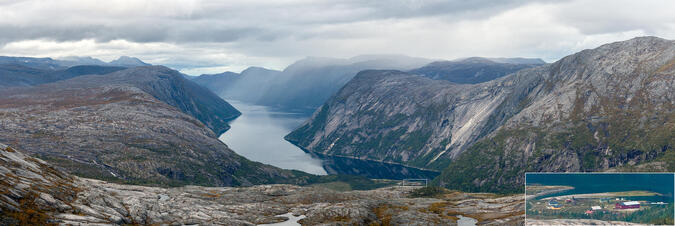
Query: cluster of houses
<point x="618" y="205"/>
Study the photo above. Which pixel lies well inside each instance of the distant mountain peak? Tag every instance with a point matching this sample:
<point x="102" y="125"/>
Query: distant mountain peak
<point x="643" y="43"/>
<point x="127" y="61"/>
<point x="481" y="60"/>
<point x="255" y="69"/>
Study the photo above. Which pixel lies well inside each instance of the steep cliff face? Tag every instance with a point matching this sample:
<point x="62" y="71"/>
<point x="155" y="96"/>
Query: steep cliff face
<point x="394" y="116"/>
<point x="609" y="107"/>
<point x="134" y="125"/>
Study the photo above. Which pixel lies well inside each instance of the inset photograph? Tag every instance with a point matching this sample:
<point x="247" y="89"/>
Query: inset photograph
<point x="599" y="198"/>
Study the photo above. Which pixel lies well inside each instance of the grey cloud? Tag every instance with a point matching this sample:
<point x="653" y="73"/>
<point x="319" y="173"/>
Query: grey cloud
<point x="135" y="33"/>
<point x="224" y="22"/>
<point x="235" y="34"/>
<point x="599" y="17"/>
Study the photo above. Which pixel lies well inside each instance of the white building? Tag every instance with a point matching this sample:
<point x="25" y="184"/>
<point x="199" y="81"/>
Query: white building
<point x="631" y="203"/>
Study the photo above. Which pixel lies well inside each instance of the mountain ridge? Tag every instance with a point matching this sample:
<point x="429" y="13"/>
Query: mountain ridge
<point x="12" y="75"/>
<point x="474" y="69"/>
<point x="173" y="89"/>
<point x="303" y="85"/>
<point x="405" y="118"/>
<point x="135" y="125"/>
<point x="618" y="116"/>
<point x="48" y="63"/>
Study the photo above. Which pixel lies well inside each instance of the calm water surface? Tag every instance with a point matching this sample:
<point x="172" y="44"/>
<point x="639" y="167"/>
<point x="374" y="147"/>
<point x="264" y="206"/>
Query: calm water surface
<point x="662" y="183"/>
<point x="258" y="134"/>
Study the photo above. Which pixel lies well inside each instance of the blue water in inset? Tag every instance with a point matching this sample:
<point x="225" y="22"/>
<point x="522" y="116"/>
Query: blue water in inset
<point x="583" y="183"/>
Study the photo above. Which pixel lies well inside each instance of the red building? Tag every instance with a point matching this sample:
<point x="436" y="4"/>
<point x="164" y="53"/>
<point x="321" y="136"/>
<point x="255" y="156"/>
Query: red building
<point x="627" y="205"/>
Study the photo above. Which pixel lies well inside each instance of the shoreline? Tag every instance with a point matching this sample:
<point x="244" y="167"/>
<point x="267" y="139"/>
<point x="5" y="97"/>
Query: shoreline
<point x="606" y="194"/>
<point x="547" y="189"/>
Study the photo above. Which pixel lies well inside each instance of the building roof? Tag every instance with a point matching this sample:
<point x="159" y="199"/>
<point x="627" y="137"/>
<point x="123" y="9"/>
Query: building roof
<point x="631" y="203"/>
<point x="596" y="207"/>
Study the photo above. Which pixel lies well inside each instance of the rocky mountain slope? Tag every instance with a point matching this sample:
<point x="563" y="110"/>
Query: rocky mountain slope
<point x="609" y="108"/>
<point x="475" y="69"/>
<point x="141" y="125"/>
<point x="393" y="116"/>
<point x="171" y="87"/>
<point x="34" y="193"/>
<point x="600" y="109"/>
<point x="308" y="83"/>
<point x="162" y="83"/>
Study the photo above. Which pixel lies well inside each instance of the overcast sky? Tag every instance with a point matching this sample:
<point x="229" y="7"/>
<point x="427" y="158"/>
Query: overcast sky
<point x="213" y="36"/>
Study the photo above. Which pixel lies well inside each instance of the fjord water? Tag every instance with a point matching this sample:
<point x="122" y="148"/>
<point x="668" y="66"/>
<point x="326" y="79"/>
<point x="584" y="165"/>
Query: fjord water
<point x="662" y="183"/>
<point x="258" y="134"/>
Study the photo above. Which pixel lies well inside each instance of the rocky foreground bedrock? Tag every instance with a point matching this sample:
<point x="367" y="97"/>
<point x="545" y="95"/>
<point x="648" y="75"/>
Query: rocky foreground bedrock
<point x="34" y="192"/>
